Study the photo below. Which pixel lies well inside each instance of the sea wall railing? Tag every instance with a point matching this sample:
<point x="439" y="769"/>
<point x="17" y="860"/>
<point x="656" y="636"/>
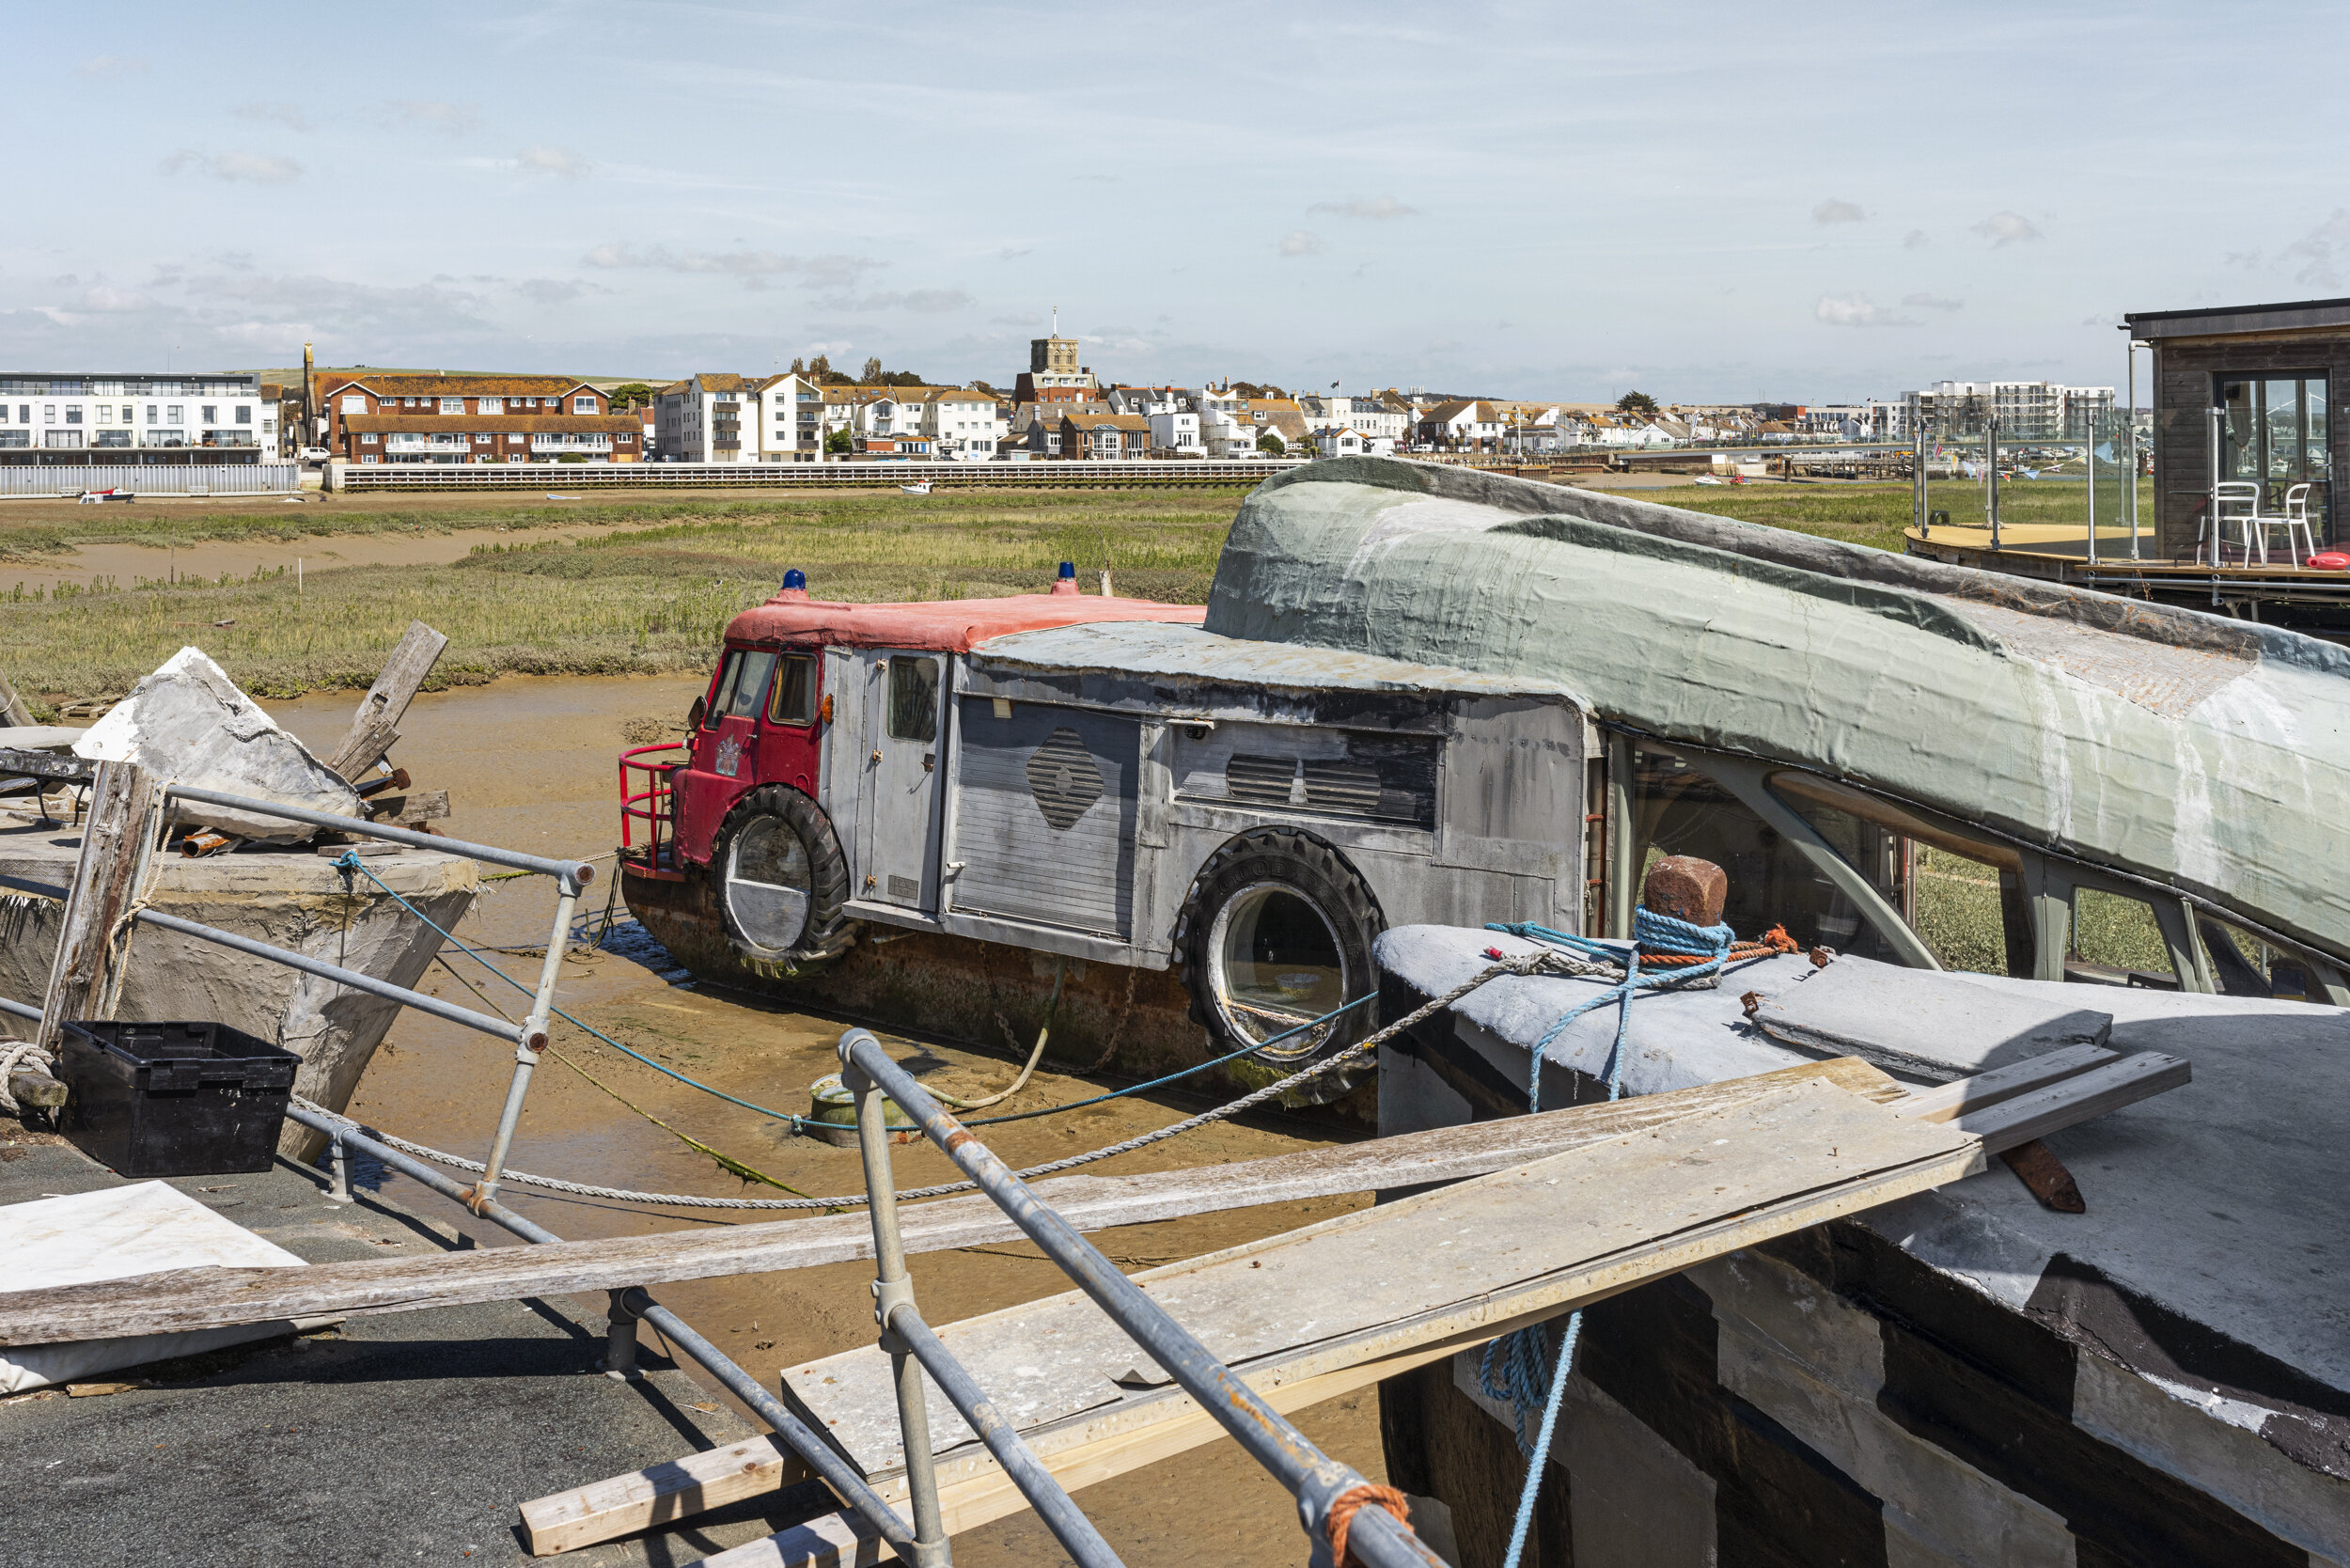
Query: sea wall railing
<point x="156" y="478"/>
<point x="1320" y="1483"/>
<point x="754" y="476"/>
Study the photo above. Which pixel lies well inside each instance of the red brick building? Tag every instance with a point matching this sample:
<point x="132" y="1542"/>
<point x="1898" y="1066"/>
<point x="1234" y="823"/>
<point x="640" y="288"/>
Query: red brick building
<point x="412" y="418"/>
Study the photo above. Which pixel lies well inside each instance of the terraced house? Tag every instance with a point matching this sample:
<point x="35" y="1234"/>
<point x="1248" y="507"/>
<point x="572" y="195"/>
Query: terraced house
<point x="438" y="418"/>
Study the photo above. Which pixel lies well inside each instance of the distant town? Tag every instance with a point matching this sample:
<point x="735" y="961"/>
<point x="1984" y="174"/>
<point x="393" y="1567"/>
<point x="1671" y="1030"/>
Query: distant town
<point x="1057" y="409"/>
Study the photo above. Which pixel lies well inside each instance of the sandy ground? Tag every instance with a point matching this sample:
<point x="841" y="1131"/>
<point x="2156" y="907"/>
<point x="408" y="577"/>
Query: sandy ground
<point x="528" y="763"/>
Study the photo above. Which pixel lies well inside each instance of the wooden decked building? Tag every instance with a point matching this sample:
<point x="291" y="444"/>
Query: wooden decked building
<point x="2263" y="374"/>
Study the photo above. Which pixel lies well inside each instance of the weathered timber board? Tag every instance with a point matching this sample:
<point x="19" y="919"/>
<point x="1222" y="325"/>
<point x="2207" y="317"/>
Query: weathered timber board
<point x="372" y="731"/>
<point x="203" y="1298"/>
<point x="1609" y="1209"/>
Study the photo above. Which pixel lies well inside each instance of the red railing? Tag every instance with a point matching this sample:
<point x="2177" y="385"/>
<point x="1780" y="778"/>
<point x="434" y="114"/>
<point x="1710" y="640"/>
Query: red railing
<point x="647" y="819"/>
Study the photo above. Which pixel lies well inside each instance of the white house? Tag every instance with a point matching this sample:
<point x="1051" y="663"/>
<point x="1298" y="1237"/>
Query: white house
<point x="1175" y="433"/>
<point x="962" y="423"/>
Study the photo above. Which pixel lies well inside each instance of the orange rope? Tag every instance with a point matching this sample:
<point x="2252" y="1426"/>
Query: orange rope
<point x="1775" y="940"/>
<point x="1342" y="1513"/>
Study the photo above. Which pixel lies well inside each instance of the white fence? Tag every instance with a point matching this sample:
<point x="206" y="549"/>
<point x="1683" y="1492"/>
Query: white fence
<point x="566" y="477"/>
<point x="160" y="479"/>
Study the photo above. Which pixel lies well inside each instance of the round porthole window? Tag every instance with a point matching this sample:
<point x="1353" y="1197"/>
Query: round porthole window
<point x="769" y="883"/>
<point x="1275" y="963"/>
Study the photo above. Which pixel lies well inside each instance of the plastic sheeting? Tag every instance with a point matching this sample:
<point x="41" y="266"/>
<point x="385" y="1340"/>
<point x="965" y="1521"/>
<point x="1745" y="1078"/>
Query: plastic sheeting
<point x="2207" y="753"/>
<point x="115" y="1234"/>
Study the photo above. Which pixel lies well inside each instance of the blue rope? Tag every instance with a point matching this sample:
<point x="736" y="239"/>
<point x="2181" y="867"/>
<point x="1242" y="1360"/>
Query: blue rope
<point x="350" y="862"/>
<point x="1511" y="1367"/>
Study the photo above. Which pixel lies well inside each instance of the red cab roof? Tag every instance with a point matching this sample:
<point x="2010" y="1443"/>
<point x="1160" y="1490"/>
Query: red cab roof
<point x="950" y="625"/>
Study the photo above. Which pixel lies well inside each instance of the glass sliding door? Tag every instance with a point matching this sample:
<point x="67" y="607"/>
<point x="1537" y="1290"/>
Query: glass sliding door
<point x="2276" y="432"/>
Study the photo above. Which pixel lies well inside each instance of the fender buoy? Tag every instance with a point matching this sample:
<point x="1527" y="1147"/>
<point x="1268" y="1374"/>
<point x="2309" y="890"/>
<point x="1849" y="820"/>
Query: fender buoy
<point x="2330" y="560"/>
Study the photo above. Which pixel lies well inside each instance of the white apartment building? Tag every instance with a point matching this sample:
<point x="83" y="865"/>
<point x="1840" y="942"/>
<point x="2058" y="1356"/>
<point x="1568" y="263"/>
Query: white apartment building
<point x="101" y="418"/>
<point x="700" y="419"/>
<point x="2026" y="410"/>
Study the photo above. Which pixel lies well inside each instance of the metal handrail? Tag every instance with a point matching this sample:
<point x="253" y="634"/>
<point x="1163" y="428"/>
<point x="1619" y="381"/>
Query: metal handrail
<point x="635" y="1304"/>
<point x="575" y="874"/>
<point x="1315" y="1478"/>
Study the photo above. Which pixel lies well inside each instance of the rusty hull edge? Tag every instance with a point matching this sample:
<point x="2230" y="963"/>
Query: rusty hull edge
<point x="965" y="990"/>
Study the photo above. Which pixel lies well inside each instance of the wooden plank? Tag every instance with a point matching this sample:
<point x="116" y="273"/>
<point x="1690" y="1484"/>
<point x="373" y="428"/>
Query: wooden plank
<point x="2057" y="1105"/>
<point x="607" y="1510"/>
<point x="12" y="709"/>
<point x="370" y="738"/>
<point x="841" y="1539"/>
<point x="379" y="711"/>
<point x="117" y="841"/>
<point x="1599" y="1217"/>
<point x="416" y="806"/>
<point x="1946" y="1102"/>
<point x="174" y="1300"/>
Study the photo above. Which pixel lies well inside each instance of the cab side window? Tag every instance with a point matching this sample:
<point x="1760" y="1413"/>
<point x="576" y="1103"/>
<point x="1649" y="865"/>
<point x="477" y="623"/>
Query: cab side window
<point x="723" y="691"/>
<point x="793" y="699"/>
<point x="750" y="684"/>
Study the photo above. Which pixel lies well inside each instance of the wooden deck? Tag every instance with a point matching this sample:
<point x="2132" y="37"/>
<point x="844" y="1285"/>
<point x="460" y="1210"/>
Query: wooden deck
<point x="2059" y="554"/>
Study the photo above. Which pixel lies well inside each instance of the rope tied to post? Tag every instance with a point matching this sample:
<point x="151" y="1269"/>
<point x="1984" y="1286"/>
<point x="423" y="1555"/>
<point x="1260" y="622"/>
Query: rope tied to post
<point x="13" y="1055"/>
<point x="1353" y="1501"/>
<point x="1683" y="953"/>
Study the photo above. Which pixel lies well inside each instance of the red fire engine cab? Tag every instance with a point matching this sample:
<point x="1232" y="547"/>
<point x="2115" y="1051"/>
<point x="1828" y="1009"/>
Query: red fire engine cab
<point x="740" y="835"/>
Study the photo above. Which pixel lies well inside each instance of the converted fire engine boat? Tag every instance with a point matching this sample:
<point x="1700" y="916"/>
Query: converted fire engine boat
<point x="1424" y="694"/>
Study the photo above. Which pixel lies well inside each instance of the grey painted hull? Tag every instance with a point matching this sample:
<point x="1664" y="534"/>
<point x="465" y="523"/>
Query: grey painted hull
<point x="2207" y="754"/>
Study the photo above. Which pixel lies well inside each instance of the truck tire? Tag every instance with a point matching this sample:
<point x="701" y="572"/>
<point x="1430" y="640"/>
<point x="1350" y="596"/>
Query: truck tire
<point x="1278" y="929"/>
<point x="780" y="882"/>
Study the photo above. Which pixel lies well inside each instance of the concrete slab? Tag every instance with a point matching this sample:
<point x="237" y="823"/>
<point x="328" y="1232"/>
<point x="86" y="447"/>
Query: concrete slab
<point x="399" y="1440"/>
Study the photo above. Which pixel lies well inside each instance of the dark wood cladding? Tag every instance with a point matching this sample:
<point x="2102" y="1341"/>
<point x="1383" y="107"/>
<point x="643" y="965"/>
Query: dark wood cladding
<point x="2187" y="372"/>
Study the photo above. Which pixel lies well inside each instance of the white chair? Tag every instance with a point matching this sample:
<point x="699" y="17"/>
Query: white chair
<point x="2296" y="522"/>
<point x="2234" y="502"/>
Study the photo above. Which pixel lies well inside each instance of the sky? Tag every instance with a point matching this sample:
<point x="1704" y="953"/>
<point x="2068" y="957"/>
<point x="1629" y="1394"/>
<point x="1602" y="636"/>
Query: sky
<point x="1702" y="202"/>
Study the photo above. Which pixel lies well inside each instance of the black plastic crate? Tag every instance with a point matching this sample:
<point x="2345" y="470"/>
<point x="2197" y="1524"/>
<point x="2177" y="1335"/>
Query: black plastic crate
<point x="174" y="1099"/>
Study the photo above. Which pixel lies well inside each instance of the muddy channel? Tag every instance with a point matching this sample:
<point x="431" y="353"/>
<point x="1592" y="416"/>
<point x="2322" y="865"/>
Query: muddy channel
<point x="528" y="763"/>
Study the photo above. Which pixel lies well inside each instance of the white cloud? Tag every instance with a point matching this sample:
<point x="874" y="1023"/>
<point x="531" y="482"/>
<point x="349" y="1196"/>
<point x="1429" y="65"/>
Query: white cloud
<point x="1856" y="311"/>
<point x="1915" y="240"/>
<point x="551" y="290"/>
<point x="1378" y="208"/>
<point x="1833" y="210"/>
<point x="2006" y="228"/>
<point x="1021" y="318"/>
<point x="562" y="162"/>
<point x="288" y="115"/>
<point x="2323" y="252"/>
<point x="1298" y="241"/>
<point x="832" y="270"/>
<point x="1930" y="302"/>
<point x="100" y="66"/>
<point x="922" y="300"/>
<point x="453" y="119"/>
<point x="248" y="166"/>
<point x="1012" y="254"/>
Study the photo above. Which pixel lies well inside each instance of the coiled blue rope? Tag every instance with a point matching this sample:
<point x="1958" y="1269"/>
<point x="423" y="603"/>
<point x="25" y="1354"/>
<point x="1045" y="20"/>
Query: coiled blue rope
<point x="348" y="862"/>
<point x="1511" y="1367"/>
